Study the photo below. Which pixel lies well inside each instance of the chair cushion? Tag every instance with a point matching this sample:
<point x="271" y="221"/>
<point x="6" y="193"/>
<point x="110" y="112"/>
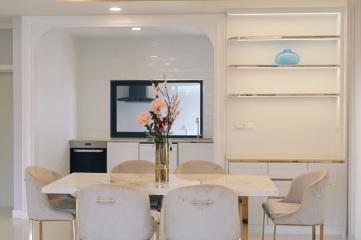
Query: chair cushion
<point x="276" y="210"/>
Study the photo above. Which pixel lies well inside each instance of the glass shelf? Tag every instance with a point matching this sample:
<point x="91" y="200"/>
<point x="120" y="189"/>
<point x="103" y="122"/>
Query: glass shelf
<point x="253" y="95"/>
<point x="283" y="38"/>
<point x="285" y="66"/>
<point x="6" y="68"/>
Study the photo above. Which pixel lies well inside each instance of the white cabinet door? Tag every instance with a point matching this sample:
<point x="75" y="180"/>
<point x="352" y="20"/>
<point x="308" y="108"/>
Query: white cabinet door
<point x="255" y="212"/>
<point x="195" y="151"/>
<point x="118" y="152"/>
<point x="147" y="152"/>
<point x="336" y="194"/>
<point x="286" y="170"/>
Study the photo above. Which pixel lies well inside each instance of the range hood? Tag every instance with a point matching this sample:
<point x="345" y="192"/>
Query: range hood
<point x="137" y="93"/>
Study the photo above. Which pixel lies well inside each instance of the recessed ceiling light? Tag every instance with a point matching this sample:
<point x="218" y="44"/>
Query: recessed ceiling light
<point x="115" y="9"/>
<point x="154" y="56"/>
<point x="136" y="28"/>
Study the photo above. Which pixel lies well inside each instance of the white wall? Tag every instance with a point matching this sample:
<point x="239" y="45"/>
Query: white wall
<point x="354" y="58"/>
<point x="101" y="59"/>
<point x="6" y="118"/>
<point x="54" y="100"/>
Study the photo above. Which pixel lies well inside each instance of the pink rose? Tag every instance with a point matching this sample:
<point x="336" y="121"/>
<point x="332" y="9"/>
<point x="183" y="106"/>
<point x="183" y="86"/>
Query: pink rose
<point x="157" y="105"/>
<point x="144" y="118"/>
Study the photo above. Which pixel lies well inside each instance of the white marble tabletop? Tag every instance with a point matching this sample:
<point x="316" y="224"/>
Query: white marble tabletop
<point x="243" y="185"/>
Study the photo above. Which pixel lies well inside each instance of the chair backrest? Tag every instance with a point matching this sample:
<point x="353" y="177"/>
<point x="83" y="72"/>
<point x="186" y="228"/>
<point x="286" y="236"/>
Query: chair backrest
<point x="309" y="190"/>
<point x="134" y="166"/>
<point x="38" y="205"/>
<point x="203" y="212"/>
<point x="200" y="167"/>
<point x="113" y="212"/>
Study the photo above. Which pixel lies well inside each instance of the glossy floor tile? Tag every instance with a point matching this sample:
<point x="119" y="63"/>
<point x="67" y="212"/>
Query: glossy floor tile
<point x="18" y="230"/>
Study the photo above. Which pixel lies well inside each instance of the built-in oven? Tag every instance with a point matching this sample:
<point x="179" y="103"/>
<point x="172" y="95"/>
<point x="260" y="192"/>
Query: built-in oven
<point x="88" y="156"/>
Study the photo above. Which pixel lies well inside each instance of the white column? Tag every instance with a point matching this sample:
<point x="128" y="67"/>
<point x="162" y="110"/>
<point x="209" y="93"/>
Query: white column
<point x="354" y="75"/>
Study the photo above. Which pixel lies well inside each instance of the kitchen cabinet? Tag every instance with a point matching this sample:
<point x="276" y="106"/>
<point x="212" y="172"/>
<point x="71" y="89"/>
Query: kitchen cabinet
<point x="195" y="151"/>
<point x="118" y="152"/>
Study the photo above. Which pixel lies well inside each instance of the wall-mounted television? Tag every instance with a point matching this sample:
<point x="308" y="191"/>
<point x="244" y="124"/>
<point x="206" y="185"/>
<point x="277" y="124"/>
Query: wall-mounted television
<point x="130" y="97"/>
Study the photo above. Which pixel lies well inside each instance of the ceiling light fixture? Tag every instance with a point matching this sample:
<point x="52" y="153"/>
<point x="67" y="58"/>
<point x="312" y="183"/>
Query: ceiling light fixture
<point x="136" y="28"/>
<point x="115" y="9"/>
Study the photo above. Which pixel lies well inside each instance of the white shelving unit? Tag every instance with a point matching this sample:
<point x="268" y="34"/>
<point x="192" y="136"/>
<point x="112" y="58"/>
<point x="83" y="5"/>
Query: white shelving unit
<point x="315" y="85"/>
<point x="283" y="120"/>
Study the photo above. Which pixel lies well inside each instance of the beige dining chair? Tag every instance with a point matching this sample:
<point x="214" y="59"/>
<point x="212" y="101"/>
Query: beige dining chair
<point x="42" y="207"/>
<point x="304" y="204"/>
<point x="203" y="212"/>
<point x="134" y="166"/>
<point x="200" y="167"/>
<point x="113" y="212"/>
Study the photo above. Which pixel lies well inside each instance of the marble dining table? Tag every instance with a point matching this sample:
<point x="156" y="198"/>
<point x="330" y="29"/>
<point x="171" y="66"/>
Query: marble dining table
<point x="243" y="185"/>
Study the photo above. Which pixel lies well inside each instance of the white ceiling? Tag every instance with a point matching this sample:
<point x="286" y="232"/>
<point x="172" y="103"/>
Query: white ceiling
<point x="10" y="8"/>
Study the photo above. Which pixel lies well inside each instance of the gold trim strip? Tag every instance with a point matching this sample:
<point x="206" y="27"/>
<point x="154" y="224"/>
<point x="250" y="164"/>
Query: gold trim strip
<point x="246" y="95"/>
<point x="286" y="161"/>
<point x="300" y="37"/>
<point x="285" y="66"/>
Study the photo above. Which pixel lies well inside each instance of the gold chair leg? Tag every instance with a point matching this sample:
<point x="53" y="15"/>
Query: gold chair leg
<point x="313" y="232"/>
<point x="322" y="232"/>
<point x="30" y="229"/>
<point x="74" y="230"/>
<point x="274" y="232"/>
<point x="264" y="219"/>
<point x="40" y="230"/>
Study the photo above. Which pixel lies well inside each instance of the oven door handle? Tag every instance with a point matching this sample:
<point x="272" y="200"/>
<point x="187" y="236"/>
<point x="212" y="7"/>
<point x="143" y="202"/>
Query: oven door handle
<point x="88" y="150"/>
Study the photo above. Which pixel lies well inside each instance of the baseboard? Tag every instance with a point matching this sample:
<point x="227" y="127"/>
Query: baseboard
<point x="19" y="214"/>
<point x="329" y="230"/>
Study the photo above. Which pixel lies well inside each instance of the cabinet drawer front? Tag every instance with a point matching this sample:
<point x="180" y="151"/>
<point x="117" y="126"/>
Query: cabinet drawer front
<point x="121" y="152"/>
<point x="195" y="151"/>
<point x="248" y="168"/>
<point x="286" y="170"/>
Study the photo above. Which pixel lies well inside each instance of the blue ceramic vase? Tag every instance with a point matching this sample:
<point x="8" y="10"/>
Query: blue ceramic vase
<point x="287" y="56"/>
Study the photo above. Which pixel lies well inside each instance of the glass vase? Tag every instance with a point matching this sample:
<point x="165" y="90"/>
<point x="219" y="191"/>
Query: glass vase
<point x="161" y="162"/>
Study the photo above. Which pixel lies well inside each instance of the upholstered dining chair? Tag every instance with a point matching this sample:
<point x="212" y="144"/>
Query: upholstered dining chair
<point x="304" y="204"/>
<point x="202" y="212"/>
<point x="134" y="166"/>
<point x="200" y="167"/>
<point x="42" y="207"/>
<point x="113" y="212"/>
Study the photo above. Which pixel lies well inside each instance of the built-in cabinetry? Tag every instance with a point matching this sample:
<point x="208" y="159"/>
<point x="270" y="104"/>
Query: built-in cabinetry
<point x="285" y="109"/>
<point x="180" y="152"/>
<point x="282" y="174"/>
<point x="284" y="120"/>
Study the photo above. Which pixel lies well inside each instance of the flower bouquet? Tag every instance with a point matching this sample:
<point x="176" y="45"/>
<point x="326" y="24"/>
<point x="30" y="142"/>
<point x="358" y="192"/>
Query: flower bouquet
<point x="158" y="121"/>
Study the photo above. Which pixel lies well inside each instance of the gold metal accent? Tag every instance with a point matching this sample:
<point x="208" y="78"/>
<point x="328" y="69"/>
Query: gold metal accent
<point x="313" y="232"/>
<point x="200" y="202"/>
<point x="299" y="37"/>
<point x="322" y="234"/>
<point x="105" y="200"/>
<point x="243" y="214"/>
<point x="41" y="231"/>
<point x="274" y="231"/>
<point x="284" y="66"/>
<point x="248" y="95"/>
<point x="162" y="163"/>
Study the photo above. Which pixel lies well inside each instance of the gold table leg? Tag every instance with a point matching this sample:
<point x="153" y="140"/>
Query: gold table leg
<point x="243" y="213"/>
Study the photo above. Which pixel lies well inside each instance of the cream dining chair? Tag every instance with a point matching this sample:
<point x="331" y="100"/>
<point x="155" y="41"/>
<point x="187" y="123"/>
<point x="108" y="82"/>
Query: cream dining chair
<point x="203" y="212"/>
<point x="200" y="167"/>
<point x="134" y="166"/>
<point x="114" y="212"/>
<point x="42" y="207"/>
<point x="303" y="206"/>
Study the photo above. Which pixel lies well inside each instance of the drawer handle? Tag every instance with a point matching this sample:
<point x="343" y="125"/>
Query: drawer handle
<point x="206" y="202"/>
<point x="88" y="150"/>
<point x="101" y="201"/>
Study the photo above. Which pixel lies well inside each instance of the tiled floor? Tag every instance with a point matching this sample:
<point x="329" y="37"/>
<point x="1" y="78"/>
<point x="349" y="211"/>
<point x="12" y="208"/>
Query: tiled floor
<point x="18" y="230"/>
